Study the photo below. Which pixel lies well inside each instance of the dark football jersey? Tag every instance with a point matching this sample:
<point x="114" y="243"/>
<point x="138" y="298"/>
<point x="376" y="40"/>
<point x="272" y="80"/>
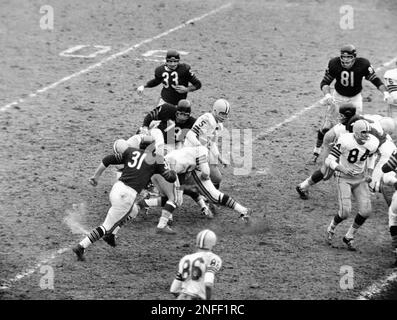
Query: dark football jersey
<point x="182" y="75"/>
<point x="139" y="166"/>
<point x="172" y="131"/>
<point x="348" y="81"/>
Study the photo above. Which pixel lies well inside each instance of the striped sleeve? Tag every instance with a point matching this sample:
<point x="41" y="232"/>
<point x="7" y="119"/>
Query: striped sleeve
<point x="201" y="159"/>
<point x="391" y="164"/>
<point x="197" y="131"/>
<point x="335" y="151"/>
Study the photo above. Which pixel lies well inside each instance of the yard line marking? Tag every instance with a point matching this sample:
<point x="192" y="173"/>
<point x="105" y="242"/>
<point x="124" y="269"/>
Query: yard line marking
<point x="118" y="54"/>
<point x="377" y="287"/>
<point x="314" y="105"/>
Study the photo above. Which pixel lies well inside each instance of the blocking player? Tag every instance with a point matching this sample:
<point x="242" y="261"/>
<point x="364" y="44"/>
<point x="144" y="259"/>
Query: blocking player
<point x="135" y="176"/>
<point x="350" y="157"/>
<point x="205" y="131"/>
<point x="173" y="121"/>
<point x="390" y="77"/>
<point x="347" y="70"/>
<point x="346" y="112"/>
<point x="195" y="277"/>
<point x="177" y="78"/>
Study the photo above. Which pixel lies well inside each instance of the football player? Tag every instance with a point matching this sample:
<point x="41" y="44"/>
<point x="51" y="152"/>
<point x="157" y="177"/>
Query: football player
<point x="205" y="131"/>
<point x="350" y="158"/>
<point x="177" y="78"/>
<point x="195" y="277"/>
<point x="346" y="112"/>
<point x="135" y="176"/>
<point x="390" y="77"/>
<point x="347" y="70"/>
<point x="174" y="122"/>
<point x="389" y="168"/>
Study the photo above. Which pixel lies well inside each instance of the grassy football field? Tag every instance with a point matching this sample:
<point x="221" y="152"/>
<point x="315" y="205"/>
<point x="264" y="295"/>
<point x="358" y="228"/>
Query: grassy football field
<point x="60" y="114"/>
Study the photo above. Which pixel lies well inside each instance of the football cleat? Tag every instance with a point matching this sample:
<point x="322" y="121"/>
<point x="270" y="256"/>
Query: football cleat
<point x="330" y="235"/>
<point x="304" y="194"/>
<point x="165" y="230"/>
<point x="207" y="212"/>
<point x="110" y="239"/>
<point x="79" y="251"/>
<point x="349" y="243"/>
<point x="246" y="216"/>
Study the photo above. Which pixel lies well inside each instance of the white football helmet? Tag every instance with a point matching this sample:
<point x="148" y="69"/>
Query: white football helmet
<point x="206" y="239"/>
<point x="361" y="129"/>
<point x="119" y="146"/>
<point x="221" y="109"/>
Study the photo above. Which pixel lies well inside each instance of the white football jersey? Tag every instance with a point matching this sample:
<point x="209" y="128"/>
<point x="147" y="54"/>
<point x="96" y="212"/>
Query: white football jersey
<point x="204" y="131"/>
<point x="351" y="154"/>
<point x="188" y="158"/>
<point x="339" y="129"/>
<point x="192" y="269"/>
<point x="391" y="82"/>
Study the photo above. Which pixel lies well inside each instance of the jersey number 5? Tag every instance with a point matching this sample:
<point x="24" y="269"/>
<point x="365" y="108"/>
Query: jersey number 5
<point x="347" y="78"/>
<point x="166" y="78"/>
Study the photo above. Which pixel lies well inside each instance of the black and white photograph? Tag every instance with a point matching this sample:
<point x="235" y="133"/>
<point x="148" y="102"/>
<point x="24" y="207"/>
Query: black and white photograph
<point x="212" y="150"/>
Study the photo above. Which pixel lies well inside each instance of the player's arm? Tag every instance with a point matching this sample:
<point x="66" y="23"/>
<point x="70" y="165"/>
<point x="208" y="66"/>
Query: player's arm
<point x="209" y="276"/>
<point x="196" y="135"/>
<point x="333" y="159"/>
<point x="329" y="139"/>
<point x="195" y="83"/>
<point x="391" y="164"/>
<point x="326" y="82"/>
<point x="203" y="166"/>
<point x="106" y="161"/>
<point x="168" y="174"/>
<point x="151" y="83"/>
<point x="377" y="82"/>
<point x="177" y="282"/>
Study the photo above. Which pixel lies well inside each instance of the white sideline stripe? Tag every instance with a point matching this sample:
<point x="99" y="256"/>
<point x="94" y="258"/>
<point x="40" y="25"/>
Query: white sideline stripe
<point x="377" y="287"/>
<point x="116" y="55"/>
<point x="316" y="104"/>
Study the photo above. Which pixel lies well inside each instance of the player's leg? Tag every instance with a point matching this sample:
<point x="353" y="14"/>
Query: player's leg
<point x="214" y="195"/>
<point x="168" y="190"/>
<point x="362" y="194"/>
<point x="315" y="177"/>
<point x="122" y="199"/>
<point x="344" y="199"/>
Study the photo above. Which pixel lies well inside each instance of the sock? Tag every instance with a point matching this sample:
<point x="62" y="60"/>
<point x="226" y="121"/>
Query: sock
<point x="165" y="216"/>
<point x="306" y="184"/>
<point x="335" y="221"/>
<point x="317" y="176"/>
<point x="320" y="137"/>
<point x="358" y="222"/>
<point x="201" y="201"/>
<point x="393" y="234"/>
<point x="94" y="235"/>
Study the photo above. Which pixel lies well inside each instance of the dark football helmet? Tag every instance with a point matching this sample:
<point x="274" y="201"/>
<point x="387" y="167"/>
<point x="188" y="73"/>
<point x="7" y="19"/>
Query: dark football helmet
<point x="346" y="112"/>
<point x="348" y="56"/>
<point x="172" y="59"/>
<point x="183" y="110"/>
